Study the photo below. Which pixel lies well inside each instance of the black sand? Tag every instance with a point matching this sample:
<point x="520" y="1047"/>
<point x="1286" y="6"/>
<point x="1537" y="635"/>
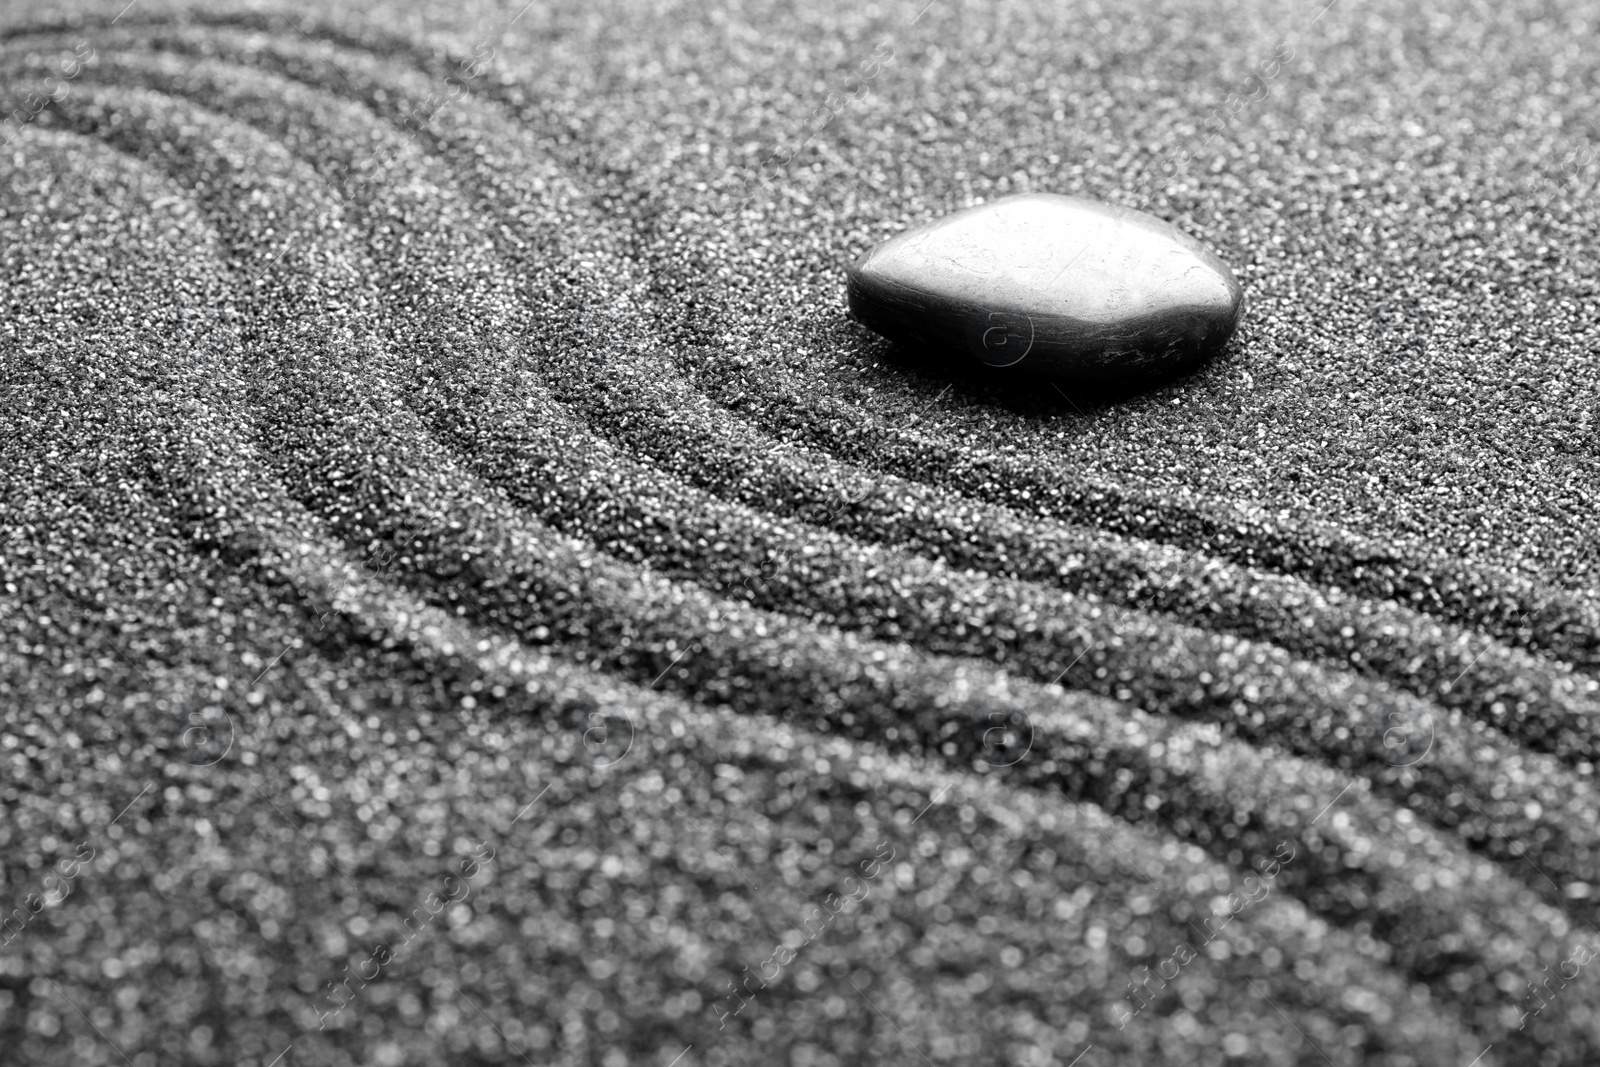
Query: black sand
<point x="389" y="485"/>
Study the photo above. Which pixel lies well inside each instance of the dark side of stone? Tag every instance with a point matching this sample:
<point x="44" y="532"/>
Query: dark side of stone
<point x="1058" y="286"/>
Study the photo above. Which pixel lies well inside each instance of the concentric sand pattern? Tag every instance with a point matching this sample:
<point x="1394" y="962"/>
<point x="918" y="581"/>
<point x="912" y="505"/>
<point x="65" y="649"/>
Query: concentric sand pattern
<point x="466" y="602"/>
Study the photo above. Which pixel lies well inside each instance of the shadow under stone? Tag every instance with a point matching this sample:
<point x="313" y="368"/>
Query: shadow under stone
<point x="1031" y="395"/>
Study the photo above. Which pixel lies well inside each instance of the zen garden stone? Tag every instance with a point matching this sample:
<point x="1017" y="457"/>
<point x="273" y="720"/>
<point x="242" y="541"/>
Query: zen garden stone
<point x="1053" y="285"/>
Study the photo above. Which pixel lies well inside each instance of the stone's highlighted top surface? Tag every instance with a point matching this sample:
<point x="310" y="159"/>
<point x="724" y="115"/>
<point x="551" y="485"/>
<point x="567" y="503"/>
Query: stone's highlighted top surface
<point x="1058" y="255"/>
<point x="1057" y="285"/>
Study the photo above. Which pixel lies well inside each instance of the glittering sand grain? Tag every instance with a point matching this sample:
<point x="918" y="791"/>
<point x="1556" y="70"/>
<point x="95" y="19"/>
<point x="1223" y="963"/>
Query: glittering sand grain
<point x="446" y="507"/>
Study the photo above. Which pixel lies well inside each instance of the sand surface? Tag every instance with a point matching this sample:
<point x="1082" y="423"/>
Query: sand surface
<point x="452" y="534"/>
